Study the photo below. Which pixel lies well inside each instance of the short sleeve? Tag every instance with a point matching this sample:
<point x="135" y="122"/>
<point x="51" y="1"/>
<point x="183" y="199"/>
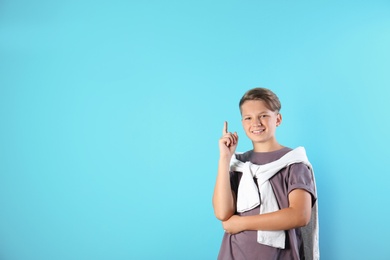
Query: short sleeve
<point x="301" y="177"/>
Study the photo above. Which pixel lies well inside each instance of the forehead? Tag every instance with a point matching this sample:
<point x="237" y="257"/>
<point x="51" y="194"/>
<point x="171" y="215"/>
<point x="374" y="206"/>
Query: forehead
<point x="254" y="107"/>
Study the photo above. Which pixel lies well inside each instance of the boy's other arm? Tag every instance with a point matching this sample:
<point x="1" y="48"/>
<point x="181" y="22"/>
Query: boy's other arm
<point x="296" y="215"/>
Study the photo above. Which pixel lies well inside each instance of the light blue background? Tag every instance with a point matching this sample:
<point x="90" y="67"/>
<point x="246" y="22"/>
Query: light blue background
<point x="111" y="111"/>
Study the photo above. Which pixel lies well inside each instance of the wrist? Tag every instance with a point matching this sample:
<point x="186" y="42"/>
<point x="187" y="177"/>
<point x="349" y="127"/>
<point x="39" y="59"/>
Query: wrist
<point x="225" y="158"/>
<point x="251" y="222"/>
<point x="224" y="162"/>
<point x="242" y="223"/>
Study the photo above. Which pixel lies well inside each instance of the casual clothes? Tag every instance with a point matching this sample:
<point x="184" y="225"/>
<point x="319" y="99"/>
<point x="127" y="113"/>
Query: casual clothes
<point x="244" y="245"/>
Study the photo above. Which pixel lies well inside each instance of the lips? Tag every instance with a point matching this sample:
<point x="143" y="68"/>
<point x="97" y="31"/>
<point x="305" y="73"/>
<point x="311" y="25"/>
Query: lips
<point x="257" y="132"/>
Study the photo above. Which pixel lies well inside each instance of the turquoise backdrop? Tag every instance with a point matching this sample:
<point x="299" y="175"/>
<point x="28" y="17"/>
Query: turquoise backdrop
<point x="111" y="111"/>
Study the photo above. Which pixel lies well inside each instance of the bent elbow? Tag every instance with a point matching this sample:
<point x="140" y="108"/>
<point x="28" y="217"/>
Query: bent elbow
<point x="303" y="220"/>
<point x="222" y="216"/>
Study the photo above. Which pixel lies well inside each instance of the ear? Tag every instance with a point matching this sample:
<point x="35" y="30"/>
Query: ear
<point x="278" y="119"/>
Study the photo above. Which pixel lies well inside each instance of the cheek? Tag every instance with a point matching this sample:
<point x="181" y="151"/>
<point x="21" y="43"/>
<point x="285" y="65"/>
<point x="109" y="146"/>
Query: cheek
<point x="274" y="121"/>
<point x="272" y="124"/>
<point x="246" y="128"/>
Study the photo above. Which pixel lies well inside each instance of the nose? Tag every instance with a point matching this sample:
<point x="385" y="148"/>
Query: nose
<point x="256" y="121"/>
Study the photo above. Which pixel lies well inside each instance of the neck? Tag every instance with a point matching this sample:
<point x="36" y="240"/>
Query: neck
<point x="266" y="147"/>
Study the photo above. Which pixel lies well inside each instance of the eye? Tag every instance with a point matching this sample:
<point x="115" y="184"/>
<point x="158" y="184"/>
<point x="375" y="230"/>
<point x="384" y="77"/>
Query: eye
<point x="247" y="118"/>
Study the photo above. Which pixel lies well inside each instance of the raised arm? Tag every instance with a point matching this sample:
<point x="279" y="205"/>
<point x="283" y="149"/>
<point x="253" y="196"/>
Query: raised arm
<point x="223" y="198"/>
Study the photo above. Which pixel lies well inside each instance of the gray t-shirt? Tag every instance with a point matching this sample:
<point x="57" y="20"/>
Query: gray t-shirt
<point x="243" y="245"/>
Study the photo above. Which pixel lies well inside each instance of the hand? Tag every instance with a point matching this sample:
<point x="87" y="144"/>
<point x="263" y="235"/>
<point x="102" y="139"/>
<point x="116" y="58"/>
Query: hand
<point x="228" y="142"/>
<point x="233" y="225"/>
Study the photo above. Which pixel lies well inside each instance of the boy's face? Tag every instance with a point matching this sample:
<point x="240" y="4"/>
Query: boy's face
<point x="259" y="122"/>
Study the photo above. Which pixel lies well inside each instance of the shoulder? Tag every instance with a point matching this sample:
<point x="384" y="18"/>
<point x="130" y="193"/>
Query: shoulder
<point x="299" y="168"/>
<point x="300" y="171"/>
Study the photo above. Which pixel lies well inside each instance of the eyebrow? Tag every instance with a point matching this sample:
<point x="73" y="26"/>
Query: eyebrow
<point x="263" y="112"/>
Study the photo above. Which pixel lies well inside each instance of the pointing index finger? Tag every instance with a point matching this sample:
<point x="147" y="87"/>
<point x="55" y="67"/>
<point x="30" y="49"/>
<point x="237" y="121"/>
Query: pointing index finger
<point x="225" y="128"/>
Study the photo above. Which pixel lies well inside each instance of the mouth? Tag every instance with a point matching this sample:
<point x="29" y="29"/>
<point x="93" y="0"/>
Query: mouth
<point x="258" y="132"/>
